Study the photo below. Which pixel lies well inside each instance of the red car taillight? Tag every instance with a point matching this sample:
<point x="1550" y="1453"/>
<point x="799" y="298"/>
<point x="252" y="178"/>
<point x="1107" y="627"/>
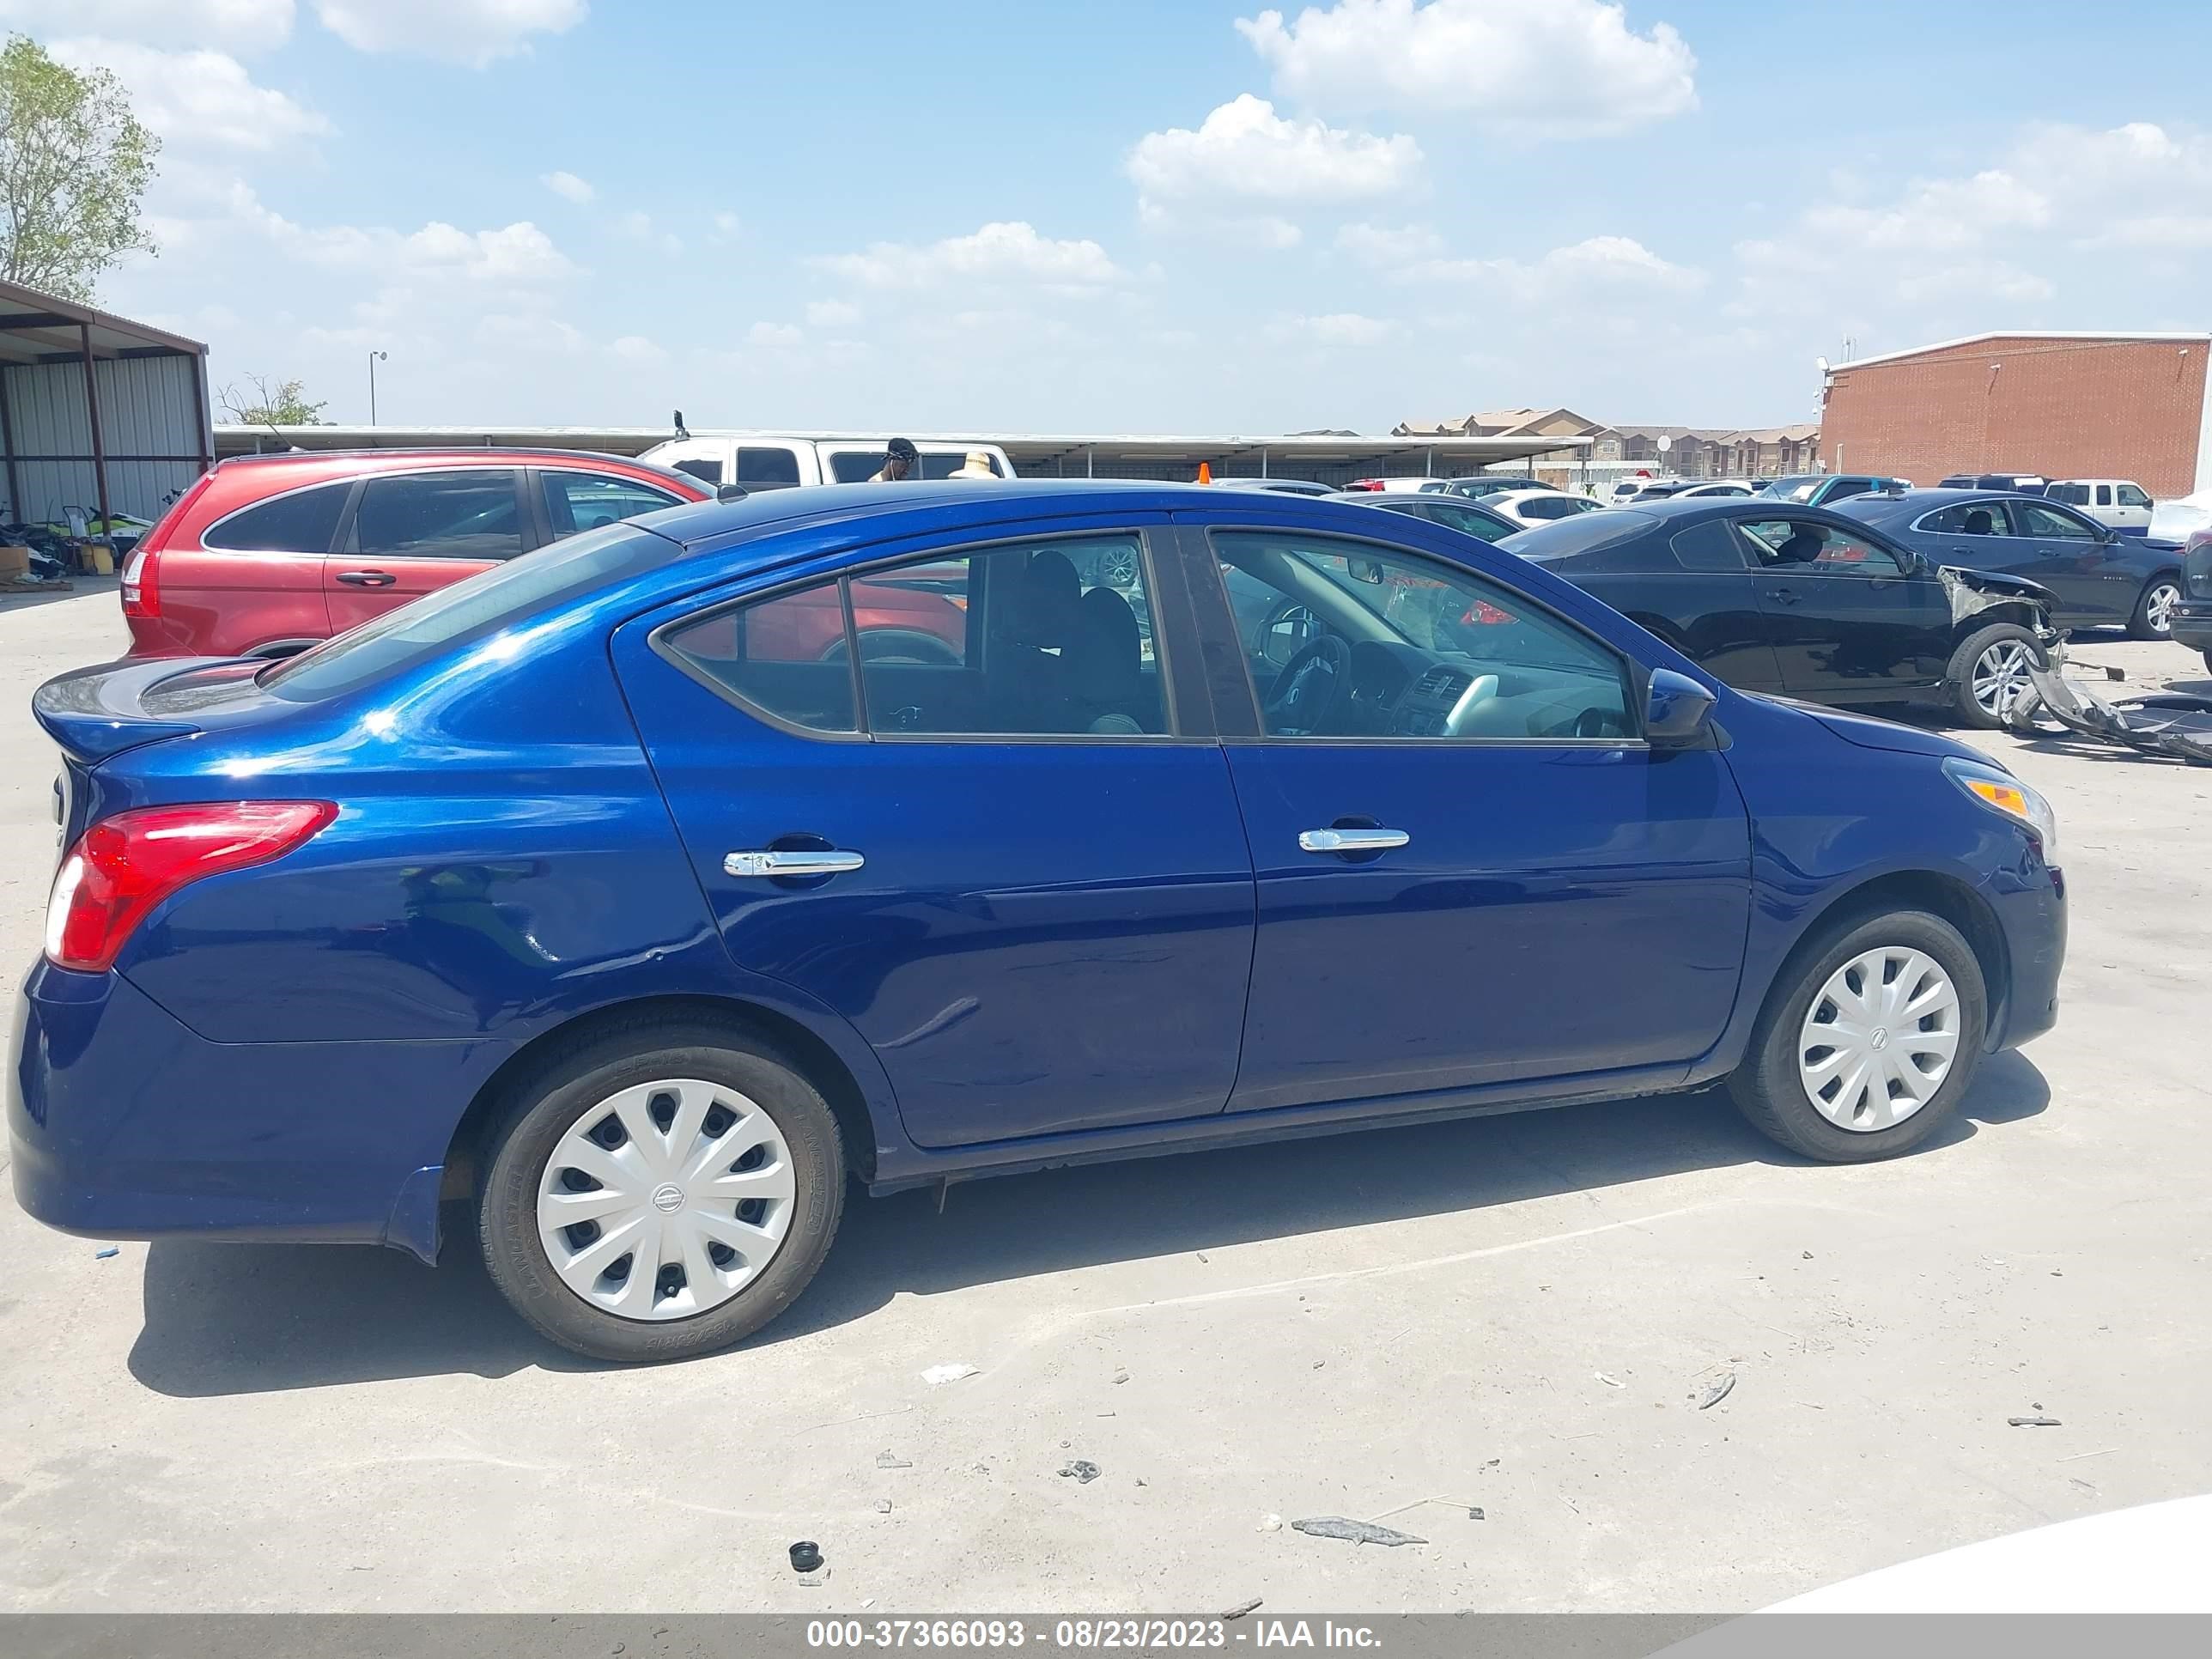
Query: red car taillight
<point x="142" y="587"/>
<point x="123" y="867"/>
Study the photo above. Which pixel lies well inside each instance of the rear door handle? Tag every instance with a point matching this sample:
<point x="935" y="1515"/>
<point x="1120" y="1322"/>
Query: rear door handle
<point x="367" y="578"/>
<point x="1783" y="595"/>
<point x="792" y="862"/>
<point x="1350" y="841"/>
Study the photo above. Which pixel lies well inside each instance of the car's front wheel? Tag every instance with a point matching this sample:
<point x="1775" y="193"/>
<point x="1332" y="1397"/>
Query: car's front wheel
<point x="1990" y="672"/>
<point x="661" y="1194"/>
<point x="1865" y="1046"/>
<point x="2154" y="617"/>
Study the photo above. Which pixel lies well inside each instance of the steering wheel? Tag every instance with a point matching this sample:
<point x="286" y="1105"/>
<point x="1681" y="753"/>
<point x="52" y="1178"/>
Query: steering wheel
<point x="1307" y="692"/>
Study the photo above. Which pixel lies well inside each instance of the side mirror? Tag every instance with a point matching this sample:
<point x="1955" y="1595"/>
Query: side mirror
<point x="1675" y="710"/>
<point x="730" y="492"/>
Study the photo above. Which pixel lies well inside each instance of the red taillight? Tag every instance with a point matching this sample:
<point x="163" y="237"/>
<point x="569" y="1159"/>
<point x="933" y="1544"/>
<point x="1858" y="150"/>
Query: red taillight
<point x="142" y="587"/>
<point x="1364" y="484"/>
<point x="1482" y="611"/>
<point x="123" y="867"/>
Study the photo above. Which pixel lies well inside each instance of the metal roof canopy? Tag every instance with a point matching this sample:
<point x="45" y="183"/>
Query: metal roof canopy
<point x="1026" y="450"/>
<point x="38" y="329"/>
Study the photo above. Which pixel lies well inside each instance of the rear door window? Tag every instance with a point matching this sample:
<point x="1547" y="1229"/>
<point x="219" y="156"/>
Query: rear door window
<point x="301" y="522"/>
<point x="460" y="514"/>
<point x="767" y="467"/>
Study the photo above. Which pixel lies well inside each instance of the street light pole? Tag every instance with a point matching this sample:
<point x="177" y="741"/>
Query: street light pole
<point x="374" y="358"/>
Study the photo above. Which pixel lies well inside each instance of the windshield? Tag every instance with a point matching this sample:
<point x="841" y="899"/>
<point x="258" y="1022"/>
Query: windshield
<point x="474" y="608"/>
<point x="1794" y="490"/>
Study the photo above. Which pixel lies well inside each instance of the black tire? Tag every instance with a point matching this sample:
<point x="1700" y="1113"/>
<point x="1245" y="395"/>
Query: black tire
<point x="579" y="1082"/>
<point x="1766" y="1088"/>
<point x="2139" y="625"/>
<point x="1959" y="676"/>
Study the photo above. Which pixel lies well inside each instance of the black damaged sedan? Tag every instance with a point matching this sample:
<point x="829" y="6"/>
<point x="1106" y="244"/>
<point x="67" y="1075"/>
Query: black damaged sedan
<point x="1805" y="603"/>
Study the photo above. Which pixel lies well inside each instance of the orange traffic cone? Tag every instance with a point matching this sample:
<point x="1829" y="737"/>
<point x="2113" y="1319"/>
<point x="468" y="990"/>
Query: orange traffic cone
<point x="1205" y="473"/>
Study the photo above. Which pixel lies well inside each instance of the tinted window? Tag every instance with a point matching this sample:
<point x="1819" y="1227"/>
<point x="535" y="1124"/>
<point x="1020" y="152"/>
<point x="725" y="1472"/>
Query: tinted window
<point x="503" y="597"/>
<point x="1467" y="519"/>
<point x="2104" y="495"/>
<point x="1968" y="518"/>
<point x="2074" y="495"/>
<point x="1506" y="668"/>
<point x="1850" y="487"/>
<point x="2048" y="523"/>
<point x="705" y="471"/>
<point x="1553" y="507"/>
<point x="464" y="514"/>
<point x="1798" y="488"/>
<point x="786" y="656"/>
<point x="1709" y="546"/>
<point x="774" y="468"/>
<point x="1817" y="549"/>
<point x="2128" y="495"/>
<point x="585" y="501"/>
<point x="301" y="522"/>
<point x="858" y="465"/>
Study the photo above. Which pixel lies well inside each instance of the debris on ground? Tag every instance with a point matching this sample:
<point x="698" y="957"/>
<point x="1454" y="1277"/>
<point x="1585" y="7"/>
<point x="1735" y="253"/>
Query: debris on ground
<point x="1718" y="1392"/>
<point x="1201" y="1256"/>
<point x="887" y="1460"/>
<point x="1474" y="1513"/>
<point x="1082" y="1471"/>
<point x="1807" y="1255"/>
<point x="806" y="1555"/>
<point x="1120" y="1376"/>
<point x="1609" y="1380"/>
<point x="1236" y="1612"/>
<point x="938" y="1376"/>
<point x="883" y="1506"/>
<point x="2033" y="1422"/>
<point x="102" y="1255"/>
<point x="1270" y="1523"/>
<point x="1354" y="1532"/>
<point x="811" y="1579"/>
<point x="2173" y="724"/>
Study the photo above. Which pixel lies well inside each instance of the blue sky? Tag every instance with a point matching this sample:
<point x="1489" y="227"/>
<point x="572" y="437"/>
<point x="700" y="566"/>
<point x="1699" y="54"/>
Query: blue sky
<point x="1142" y="215"/>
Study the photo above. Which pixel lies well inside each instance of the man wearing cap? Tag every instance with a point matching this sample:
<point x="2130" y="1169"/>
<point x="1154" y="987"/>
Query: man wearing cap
<point x="898" y="462"/>
<point x="976" y="463"/>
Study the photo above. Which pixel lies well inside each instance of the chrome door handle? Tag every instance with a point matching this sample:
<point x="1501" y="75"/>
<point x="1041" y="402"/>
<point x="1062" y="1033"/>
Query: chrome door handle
<point x="1350" y="841"/>
<point x="781" y="862"/>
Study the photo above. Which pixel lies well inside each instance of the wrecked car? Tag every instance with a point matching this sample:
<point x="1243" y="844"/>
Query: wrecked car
<point x="1806" y="603"/>
<point x="2061" y="701"/>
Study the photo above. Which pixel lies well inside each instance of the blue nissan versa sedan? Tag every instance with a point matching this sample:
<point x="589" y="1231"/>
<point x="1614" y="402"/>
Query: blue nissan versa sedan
<point x="639" y="895"/>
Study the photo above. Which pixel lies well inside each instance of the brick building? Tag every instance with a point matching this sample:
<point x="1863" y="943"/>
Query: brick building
<point x="2064" y="405"/>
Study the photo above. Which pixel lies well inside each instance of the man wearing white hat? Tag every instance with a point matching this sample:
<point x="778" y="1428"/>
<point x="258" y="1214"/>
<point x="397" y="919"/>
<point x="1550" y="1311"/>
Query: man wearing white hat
<point x="976" y="463"/>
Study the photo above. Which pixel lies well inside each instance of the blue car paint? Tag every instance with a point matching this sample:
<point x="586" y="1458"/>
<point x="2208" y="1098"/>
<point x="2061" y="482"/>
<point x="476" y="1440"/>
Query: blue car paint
<point x="289" y="1051"/>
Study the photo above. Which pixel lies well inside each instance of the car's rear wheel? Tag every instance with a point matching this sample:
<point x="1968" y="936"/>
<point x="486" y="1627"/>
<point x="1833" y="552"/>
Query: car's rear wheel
<point x="1990" y="672"/>
<point x="2154" y="617"/>
<point x="1865" y="1047"/>
<point x="662" y="1194"/>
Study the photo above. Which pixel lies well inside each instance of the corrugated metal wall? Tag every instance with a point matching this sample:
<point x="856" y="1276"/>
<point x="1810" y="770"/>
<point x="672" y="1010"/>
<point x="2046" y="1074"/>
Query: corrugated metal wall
<point x="149" y="428"/>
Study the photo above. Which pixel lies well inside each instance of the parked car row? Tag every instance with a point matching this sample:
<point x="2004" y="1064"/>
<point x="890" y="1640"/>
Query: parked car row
<point x="632" y="897"/>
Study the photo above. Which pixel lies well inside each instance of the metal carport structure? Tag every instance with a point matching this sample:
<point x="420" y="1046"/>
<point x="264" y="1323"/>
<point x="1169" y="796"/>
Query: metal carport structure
<point x="96" y="410"/>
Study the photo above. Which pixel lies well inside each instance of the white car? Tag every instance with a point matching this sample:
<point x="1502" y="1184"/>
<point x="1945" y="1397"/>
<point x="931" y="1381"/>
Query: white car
<point x="2120" y="502"/>
<point x="1534" y="507"/>
<point x="1399" y="486"/>
<point x="1719" y="486"/>
<point x="774" y="460"/>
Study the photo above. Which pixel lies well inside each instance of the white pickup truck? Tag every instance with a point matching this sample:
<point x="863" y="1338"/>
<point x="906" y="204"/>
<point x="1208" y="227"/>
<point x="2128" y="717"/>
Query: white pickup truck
<point x="784" y="460"/>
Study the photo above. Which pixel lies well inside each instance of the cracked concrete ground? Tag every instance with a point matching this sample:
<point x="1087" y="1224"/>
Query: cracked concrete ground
<point x="1517" y="1313"/>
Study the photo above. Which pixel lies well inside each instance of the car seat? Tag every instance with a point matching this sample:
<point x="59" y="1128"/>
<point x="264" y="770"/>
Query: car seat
<point x="1106" y="666"/>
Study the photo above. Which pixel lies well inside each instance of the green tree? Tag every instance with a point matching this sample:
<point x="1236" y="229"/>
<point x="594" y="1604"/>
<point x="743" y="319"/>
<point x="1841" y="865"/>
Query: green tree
<point x="74" y="163"/>
<point x="283" y="405"/>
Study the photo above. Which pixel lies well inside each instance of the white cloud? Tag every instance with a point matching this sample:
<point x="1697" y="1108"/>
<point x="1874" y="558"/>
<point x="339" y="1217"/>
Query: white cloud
<point x="1001" y="252"/>
<point x="244" y="25"/>
<point x="832" y="313"/>
<point x="637" y="351"/>
<point x="473" y="32"/>
<point x="1973" y="280"/>
<point x="203" y="101"/>
<point x="1936" y="215"/>
<point x="1244" y="155"/>
<point x="1618" y="261"/>
<point x="773" y="334"/>
<point x="567" y="183"/>
<point x="1340" y="328"/>
<point x="1617" y="265"/>
<point x="1531" y="68"/>
<point x="2136" y="185"/>
<point x="725" y="227"/>
<point x="1378" y="245"/>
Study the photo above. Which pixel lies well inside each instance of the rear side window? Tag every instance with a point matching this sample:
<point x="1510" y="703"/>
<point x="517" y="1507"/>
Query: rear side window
<point x="501" y="599"/>
<point x="858" y="465"/>
<point x="301" y="522"/>
<point x="463" y="514"/>
<point x="1557" y="507"/>
<point x="786" y="656"/>
<point x="1967" y="518"/>
<point x="2073" y="495"/>
<point x="1709" y="546"/>
<point x="774" y="468"/>
<point x="704" y="471"/>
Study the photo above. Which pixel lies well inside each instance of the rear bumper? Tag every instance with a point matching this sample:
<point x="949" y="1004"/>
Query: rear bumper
<point x="126" y="1124"/>
<point x="2192" y="623"/>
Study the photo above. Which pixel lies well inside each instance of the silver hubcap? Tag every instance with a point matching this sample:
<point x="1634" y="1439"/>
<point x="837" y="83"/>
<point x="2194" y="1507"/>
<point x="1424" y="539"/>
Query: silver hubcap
<point x="1879" y="1039"/>
<point x="2001" y="674"/>
<point x="2158" y="610"/>
<point x="665" y="1200"/>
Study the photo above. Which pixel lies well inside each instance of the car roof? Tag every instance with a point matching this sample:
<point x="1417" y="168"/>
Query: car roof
<point x="1911" y="503"/>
